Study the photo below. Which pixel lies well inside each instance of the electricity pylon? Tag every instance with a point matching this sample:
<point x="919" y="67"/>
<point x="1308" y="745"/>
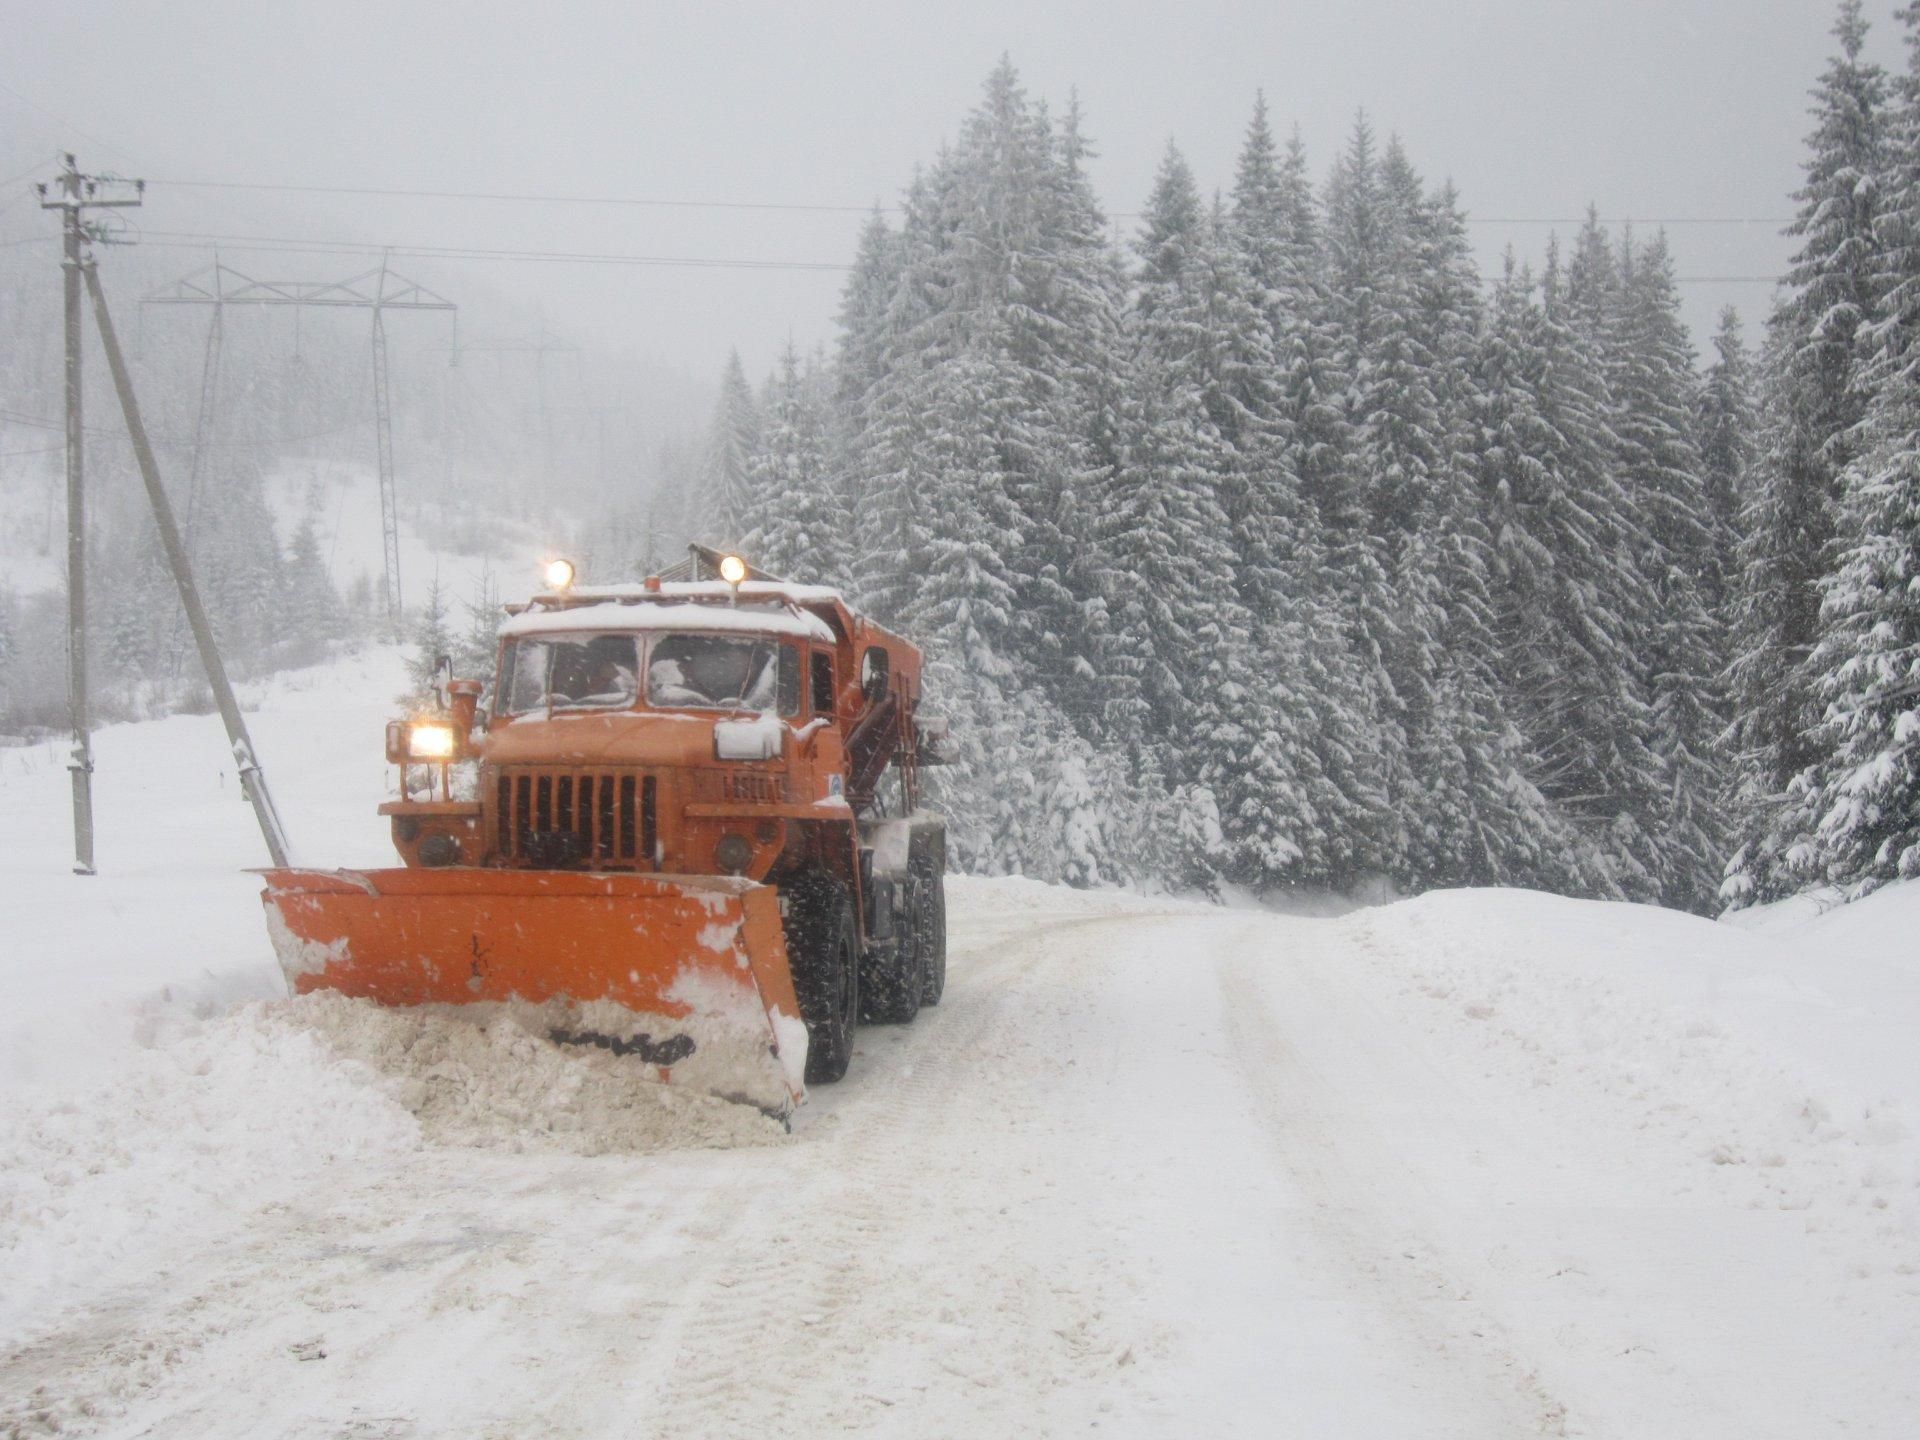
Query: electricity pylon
<point x="379" y="290"/>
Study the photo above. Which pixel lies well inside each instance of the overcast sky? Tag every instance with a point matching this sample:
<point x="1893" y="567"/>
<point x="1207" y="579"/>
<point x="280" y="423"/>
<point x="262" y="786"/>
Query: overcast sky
<point x="1679" y="110"/>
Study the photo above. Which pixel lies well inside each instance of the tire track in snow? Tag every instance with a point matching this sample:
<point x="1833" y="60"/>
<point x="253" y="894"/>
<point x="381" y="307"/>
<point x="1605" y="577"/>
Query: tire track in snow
<point x="857" y="1308"/>
<point x="365" y="1271"/>
<point x="1347" y="1174"/>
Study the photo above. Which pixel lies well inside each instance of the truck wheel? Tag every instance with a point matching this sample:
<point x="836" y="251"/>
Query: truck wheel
<point x="930" y="930"/>
<point x="891" y="985"/>
<point x="823" y="948"/>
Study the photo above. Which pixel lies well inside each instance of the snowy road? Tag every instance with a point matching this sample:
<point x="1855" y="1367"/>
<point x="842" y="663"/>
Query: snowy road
<point x="1092" y="1189"/>
<point x="1148" y="1170"/>
<point x="1483" y="1164"/>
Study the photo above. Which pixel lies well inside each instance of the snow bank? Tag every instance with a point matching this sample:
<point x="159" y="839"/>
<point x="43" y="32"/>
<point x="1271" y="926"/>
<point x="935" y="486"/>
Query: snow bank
<point x="1706" y="1057"/>
<point x="214" y="1117"/>
<point x="208" y="1121"/>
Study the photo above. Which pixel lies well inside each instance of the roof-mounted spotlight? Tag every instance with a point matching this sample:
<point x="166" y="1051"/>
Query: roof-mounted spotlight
<point x="733" y="570"/>
<point x="559" y="574"/>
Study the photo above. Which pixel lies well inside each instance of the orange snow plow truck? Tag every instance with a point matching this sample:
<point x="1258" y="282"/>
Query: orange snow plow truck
<point x="684" y="828"/>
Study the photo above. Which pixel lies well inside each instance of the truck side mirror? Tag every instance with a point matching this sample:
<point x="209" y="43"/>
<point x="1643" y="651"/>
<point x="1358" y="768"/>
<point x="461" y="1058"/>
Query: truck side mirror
<point x="442" y="680"/>
<point x="873" y="674"/>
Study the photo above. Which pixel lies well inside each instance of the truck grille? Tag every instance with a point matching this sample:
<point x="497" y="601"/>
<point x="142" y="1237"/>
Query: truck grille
<point x="562" y="819"/>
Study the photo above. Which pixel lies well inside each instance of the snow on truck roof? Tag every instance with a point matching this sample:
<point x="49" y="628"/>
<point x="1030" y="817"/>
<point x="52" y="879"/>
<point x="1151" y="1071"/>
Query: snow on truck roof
<point x="715" y="590"/>
<point x="644" y="611"/>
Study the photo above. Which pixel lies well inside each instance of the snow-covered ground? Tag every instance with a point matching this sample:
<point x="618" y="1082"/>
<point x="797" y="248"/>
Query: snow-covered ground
<point x="1479" y="1164"/>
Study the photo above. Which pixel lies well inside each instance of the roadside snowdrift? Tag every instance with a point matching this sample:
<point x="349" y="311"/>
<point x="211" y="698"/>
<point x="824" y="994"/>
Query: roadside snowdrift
<point x="206" y="1119"/>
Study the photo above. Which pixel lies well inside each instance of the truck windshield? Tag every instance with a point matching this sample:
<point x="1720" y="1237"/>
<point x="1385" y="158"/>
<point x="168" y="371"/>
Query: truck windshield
<point x="723" y="672"/>
<point x="571" y="672"/>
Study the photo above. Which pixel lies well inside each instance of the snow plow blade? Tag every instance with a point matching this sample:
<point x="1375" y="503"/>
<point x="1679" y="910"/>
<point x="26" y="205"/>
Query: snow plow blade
<point x="685" y="974"/>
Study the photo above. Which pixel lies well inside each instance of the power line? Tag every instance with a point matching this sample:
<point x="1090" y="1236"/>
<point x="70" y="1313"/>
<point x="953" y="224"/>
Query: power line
<point x="828" y="208"/>
<point x="17" y="417"/>
<point x="263" y="243"/>
<point x="658" y="202"/>
<point x="52" y="159"/>
<point x="513" y="197"/>
<point x="271" y="244"/>
<point x="289" y="245"/>
<point x="65" y="124"/>
<point x="1631" y="220"/>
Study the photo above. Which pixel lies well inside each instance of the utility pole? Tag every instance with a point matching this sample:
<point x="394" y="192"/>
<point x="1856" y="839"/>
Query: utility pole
<point x="73" y="194"/>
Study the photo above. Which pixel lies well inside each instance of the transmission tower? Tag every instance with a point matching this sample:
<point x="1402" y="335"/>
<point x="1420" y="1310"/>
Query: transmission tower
<point x="381" y="290"/>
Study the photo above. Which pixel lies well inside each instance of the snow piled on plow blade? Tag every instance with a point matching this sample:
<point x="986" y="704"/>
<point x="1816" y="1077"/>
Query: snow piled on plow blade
<point x="489" y="1076"/>
<point x="683" y="980"/>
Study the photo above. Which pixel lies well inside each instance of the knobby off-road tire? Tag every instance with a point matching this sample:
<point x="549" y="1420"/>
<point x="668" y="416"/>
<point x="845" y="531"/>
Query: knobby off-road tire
<point x="930" y="930"/>
<point x="894" y="977"/>
<point x="823" y="947"/>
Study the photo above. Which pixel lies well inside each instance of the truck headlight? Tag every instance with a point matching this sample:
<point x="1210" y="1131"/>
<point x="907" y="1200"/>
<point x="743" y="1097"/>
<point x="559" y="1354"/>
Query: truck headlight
<point x="430" y="742"/>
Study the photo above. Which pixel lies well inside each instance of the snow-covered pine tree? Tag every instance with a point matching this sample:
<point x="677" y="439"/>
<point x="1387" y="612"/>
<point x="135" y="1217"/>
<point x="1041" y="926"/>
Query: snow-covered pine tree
<point x="1328" y="554"/>
<point x="429" y="637"/>
<point x="859" y="370"/>
<point x="883" y="428"/>
<point x="477" y="647"/>
<point x="798" y="522"/>
<point x="1094" y="360"/>
<point x="1219" y="722"/>
<point x="239" y="559"/>
<point x="865" y="305"/>
<point x="9" y="652"/>
<point x="718" y="515"/>
<point x="1392" y="429"/>
<point x="1855" y="811"/>
<point x="971" y="453"/>
<point x="1812" y="407"/>
<point x="1565" y="607"/>
<point x="1656" y="388"/>
<point x="311" y="617"/>
<point x="1474" y="816"/>
<point x="1726" y="421"/>
<point x="1858" y="806"/>
<point x="1030" y="294"/>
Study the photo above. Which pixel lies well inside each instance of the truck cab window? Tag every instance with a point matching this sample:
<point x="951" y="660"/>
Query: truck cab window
<point x="723" y="672"/>
<point x="570" y="672"/>
<point x="822" y="683"/>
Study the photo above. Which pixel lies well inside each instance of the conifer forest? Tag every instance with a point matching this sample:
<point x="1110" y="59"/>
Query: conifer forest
<point x="1264" y="541"/>
<point x="1271" y="546"/>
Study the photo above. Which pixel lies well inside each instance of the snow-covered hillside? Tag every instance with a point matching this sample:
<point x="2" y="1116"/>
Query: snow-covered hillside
<point x="1477" y="1164"/>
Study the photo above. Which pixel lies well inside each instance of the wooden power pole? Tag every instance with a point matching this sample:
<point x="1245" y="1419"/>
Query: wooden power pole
<point x="73" y="194"/>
